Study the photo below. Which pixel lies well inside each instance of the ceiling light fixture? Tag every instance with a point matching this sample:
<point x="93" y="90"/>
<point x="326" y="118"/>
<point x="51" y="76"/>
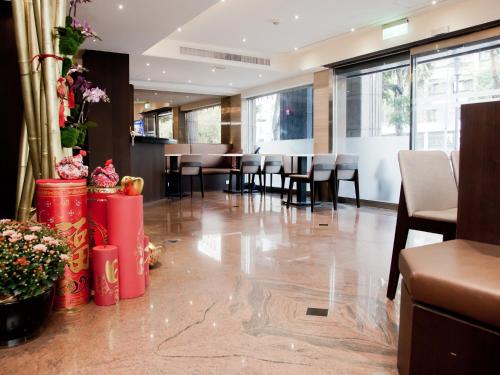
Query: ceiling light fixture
<point x="295" y="48"/>
<point x="230" y="83"/>
<point x="395" y="29"/>
<point x="353" y="29"/>
<point x="296" y="16"/>
<point x="179" y="29"/>
<point x="149" y="79"/>
<point x="434" y="2"/>
<point x="163" y="71"/>
<point x="260" y="75"/>
<point x="189" y="81"/>
<point x="147" y="64"/>
<point x="244" y="40"/>
<point x="156" y="93"/>
<point x="120" y="6"/>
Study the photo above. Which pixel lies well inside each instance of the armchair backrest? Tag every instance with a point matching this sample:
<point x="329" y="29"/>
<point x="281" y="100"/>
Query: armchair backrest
<point x="347" y="165"/>
<point x="428" y="181"/>
<point x="273" y="163"/>
<point x="323" y="165"/>
<point x="190" y="165"/>
<point x="250" y="163"/>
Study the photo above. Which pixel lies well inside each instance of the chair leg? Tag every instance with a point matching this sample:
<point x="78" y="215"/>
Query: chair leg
<point x="191" y="185"/>
<point x="241" y="183"/>
<point x="320" y="192"/>
<point x="356" y="187"/>
<point x="180" y="186"/>
<point x="290" y="188"/>
<point x="201" y="186"/>
<point x="283" y="178"/>
<point x="230" y="188"/>
<point x="400" y="238"/>
<point x="449" y="236"/>
<point x="313" y="194"/>
<point x="265" y="182"/>
<point x="167" y="188"/>
<point x="260" y="181"/>
<point x="334" y="191"/>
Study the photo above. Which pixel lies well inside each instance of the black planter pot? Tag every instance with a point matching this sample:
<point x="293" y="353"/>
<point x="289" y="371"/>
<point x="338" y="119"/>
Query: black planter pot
<point x="21" y="321"/>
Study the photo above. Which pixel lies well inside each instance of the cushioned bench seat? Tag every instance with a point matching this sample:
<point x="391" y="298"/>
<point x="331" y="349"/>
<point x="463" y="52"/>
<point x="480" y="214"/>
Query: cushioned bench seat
<point x="459" y="276"/>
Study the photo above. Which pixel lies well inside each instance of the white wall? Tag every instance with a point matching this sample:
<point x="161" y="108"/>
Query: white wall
<point x="455" y="15"/>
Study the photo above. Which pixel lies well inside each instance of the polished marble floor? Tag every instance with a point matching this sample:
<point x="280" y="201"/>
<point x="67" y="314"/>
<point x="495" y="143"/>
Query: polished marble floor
<point x="231" y="295"/>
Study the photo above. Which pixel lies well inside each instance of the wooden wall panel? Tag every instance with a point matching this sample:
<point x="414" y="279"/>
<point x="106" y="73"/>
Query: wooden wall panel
<point x="11" y="108"/>
<point x="111" y="139"/>
<point x="479" y="185"/>
<point x="323" y="90"/>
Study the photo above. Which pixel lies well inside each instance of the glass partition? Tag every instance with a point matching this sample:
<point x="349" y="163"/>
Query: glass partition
<point x="166" y="125"/>
<point x="204" y="125"/>
<point x="372" y="119"/>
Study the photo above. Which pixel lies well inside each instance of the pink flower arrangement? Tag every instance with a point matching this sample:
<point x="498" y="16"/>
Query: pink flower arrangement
<point x="95" y="95"/>
<point x="32" y="257"/>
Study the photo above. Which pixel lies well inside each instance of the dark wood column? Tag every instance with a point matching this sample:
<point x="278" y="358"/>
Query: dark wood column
<point x="111" y="139"/>
<point x="11" y="108"/>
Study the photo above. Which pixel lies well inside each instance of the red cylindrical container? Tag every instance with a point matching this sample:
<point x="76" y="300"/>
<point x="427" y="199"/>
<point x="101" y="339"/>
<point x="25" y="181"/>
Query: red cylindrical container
<point x="146" y="260"/>
<point x="105" y="275"/>
<point x="126" y="230"/>
<point x="62" y="204"/>
<point x="97" y="200"/>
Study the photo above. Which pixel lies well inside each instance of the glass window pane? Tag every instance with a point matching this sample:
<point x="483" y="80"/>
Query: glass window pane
<point x="444" y="81"/>
<point x="166" y="125"/>
<point x="204" y="125"/>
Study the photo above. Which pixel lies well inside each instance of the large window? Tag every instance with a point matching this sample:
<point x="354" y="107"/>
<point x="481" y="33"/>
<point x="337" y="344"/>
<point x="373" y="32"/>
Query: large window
<point x="373" y="120"/>
<point x="283" y="116"/>
<point x="204" y="125"/>
<point x="446" y="79"/>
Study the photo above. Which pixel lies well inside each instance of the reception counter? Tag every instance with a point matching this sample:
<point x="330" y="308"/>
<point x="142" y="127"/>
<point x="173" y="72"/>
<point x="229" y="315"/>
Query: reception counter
<point x="148" y="162"/>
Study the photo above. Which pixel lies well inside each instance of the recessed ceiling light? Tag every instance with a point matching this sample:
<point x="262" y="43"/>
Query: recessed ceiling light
<point x="179" y="29"/>
<point x="434" y="2"/>
<point x="94" y="40"/>
<point x="147" y="64"/>
<point x="120" y="6"/>
<point x="230" y="83"/>
<point x="244" y="40"/>
<point x="187" y="96"/>
<point x="149" y="79"/>
<point x="189" y="81"/>
<point x="296" y="17"/>
<point x="353" y="29"/>
<point x="260" y="75"/>
<point x="213" y="69"/>
<point x="156" y="93"/>
<point x="295" y="48"/>
<point x="164" y="71"/>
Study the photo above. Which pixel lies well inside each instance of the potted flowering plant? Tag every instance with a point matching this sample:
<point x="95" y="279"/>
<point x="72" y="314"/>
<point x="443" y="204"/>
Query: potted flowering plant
<point x="75" y="93"/>
<point x="32" y="258"/>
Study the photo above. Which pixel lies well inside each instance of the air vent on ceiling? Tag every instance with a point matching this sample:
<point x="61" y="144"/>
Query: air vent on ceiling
<point x="224" y="56"/>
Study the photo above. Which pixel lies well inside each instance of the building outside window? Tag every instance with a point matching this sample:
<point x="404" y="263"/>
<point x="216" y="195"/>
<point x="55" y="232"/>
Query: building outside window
<point x="166" y="125"/>
<point x="204" y="125"/>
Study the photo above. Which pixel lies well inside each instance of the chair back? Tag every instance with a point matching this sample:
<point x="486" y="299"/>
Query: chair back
<point x="250" y="163"/>
<point x="428" y="181"/>
<point x="347" y="165"/>
<point x="273" y="163"/>
<point x="190" y="165"/>
<point x="323" y="166"/>
<point x="455" y="162"/>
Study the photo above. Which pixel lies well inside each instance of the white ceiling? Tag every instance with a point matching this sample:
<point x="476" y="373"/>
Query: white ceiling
<point x="174" y="99"/>
<point x="148" y="31"/>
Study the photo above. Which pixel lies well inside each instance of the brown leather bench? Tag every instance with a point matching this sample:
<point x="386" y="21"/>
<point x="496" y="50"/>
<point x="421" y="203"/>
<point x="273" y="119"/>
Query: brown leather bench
<point x="450" y="309"/>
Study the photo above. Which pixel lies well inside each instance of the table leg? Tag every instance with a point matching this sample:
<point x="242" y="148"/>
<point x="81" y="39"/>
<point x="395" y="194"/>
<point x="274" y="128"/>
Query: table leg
<point x="301" y="187"/>
<point x="174" y="182"/>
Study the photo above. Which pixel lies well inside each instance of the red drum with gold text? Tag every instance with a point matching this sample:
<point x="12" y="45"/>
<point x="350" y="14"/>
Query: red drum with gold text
<point x="62" y="204"/>
<point x="97" y="200"/>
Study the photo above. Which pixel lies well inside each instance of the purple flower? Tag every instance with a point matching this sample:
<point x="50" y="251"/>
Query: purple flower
<point x="95" y="95"/>
<point x="82" y="84"/>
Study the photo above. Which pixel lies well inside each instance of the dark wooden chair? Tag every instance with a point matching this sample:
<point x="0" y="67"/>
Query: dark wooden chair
<point x="322" y="170"/>
<point x="427" y="202"/>
<point x="347" y="170"/>
<point x="190" y="165"/>
<point x="251" y="166"/>
<point x="273" y="164"/>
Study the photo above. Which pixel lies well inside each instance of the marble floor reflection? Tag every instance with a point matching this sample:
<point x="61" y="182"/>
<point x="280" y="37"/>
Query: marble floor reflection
<point x="231" y="295"/>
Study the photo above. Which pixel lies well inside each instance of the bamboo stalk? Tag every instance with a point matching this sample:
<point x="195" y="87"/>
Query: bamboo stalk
<point x="59" y="21"/>
<point x="44" y="131"/>
<point x="23" y="163"/>
<point x="24" y="67"/>
<point x="49" y="67"/>
<point x="35" y="72"/>
<point x="27" y="194"/>
<point x="38" y="20"/>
